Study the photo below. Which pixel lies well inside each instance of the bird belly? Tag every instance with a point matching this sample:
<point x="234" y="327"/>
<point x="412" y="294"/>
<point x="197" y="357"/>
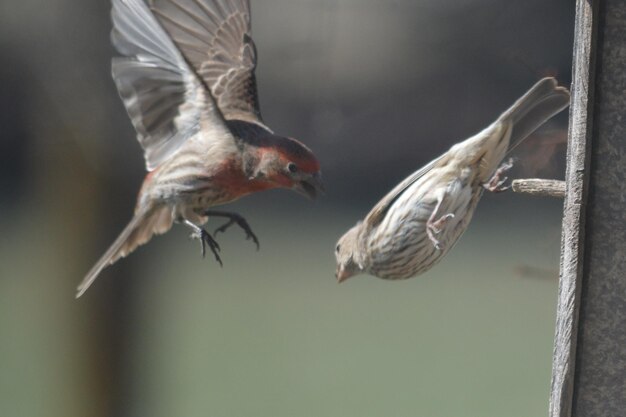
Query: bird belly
<point x="192" y="185"/>
<point x="400" y="248"/>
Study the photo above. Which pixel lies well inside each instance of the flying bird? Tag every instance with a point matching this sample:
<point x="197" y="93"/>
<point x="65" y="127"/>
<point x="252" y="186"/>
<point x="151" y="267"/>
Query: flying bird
<point x="186" y="77"/>
<point x="418" y="222"/>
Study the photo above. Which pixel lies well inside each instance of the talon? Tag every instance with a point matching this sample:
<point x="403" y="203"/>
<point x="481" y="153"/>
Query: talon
<point x="434" y="227"/>
<point x="206" y="239"/>
<point x="438" y="224"/>
<point x="239" y="221"/>
<point x="213" y="245"/>
<point x="497" y="181"/>
<point x="223" y="227"/>
<point x="433" y="239"/>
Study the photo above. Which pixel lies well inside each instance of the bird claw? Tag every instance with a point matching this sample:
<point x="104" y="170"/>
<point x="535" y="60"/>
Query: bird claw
<point x="207" y="240"/>
<point x="436" y="242"/>
<point x="435" y="227"/>
<point x="242" y="223"/>
<point x="497" y="180"/>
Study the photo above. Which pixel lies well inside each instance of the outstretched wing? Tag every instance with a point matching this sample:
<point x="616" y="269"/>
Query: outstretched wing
<point x="164" y="98"/>
<point x="214" y="36"/>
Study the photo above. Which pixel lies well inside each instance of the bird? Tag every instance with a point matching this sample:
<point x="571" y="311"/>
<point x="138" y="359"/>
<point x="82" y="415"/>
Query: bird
<point x="186" y="75"/>
<point x="413" y="227"/>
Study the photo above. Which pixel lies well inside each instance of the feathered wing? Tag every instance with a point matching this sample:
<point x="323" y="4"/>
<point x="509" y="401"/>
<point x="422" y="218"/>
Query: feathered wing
<point x="166" y="103"/>
<point x="163" y="96"/>
<point x="377" y="214"/>
<point x="529" y="112"/>
<point x="214" y="36"/>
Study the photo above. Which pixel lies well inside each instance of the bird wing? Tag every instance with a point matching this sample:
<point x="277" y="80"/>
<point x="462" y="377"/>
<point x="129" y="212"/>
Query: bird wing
<point x="377" y="214"/>
<point x="164" y="98"/>
<point x="214" y="36"/>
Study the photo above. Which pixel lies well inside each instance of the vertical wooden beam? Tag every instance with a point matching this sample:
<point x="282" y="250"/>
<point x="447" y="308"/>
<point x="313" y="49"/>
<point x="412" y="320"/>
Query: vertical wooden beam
<point x="600" y="380"/>
<point x="589" y="365"/>
<point x="572" y="243"/>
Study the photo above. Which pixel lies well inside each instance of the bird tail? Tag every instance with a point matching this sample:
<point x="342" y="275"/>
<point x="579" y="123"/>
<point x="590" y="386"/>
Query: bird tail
<point x="489" y="147"/>
<point x="144" y="224"/>
<point x="538" y="105"/>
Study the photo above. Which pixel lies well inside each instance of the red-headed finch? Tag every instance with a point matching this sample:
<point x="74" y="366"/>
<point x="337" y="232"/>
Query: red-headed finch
<point x="186" y="77"/>
<point x="419" y="221"/>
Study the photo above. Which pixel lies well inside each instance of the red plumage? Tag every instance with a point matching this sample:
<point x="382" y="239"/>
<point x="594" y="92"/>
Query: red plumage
<point x="186" y="76"/>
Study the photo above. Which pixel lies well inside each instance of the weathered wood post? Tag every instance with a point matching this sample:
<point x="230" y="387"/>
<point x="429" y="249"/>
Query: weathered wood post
<point x="589" y="363"/>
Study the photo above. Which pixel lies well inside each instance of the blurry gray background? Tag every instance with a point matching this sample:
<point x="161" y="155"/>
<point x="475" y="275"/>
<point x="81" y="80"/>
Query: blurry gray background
<point x="376" y="88"/>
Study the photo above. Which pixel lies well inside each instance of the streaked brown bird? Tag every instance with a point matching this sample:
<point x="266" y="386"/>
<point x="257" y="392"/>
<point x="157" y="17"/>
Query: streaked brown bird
<point x="419" y="221"/>
<point x="186" y="77"/>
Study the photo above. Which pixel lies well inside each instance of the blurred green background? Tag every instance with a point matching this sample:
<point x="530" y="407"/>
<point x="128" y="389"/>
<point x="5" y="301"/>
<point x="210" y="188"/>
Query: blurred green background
<point x="377" y="89"/>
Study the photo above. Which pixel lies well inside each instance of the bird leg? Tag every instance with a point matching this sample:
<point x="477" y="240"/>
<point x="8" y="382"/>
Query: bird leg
<point x="496" y="182"/>
<point x="434" y="227"/>
<point x="234" y="218"/>
<point x="205" y="239"/>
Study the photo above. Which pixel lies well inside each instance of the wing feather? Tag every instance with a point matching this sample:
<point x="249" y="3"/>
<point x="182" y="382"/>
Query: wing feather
<point x="214" y="36"/>
<point x="377" y="214"/>
<point x="163" y="96"/>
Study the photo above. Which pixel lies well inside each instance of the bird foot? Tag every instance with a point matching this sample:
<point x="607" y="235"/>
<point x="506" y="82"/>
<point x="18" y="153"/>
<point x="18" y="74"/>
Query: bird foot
<point x="497" y="181"/>
<point x="207" y="240"/>
<point x="434" y="227"/>
<point x="235" y="218"/>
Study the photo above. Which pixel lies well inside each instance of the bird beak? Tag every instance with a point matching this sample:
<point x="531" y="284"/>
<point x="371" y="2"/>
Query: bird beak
<point x="342" y="274"/>
<point x="310" y="187"/>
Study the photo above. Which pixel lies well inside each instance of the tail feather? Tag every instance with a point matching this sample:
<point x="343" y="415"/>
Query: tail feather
<point x="489" y="147"/>
<point x="139" y="230"/>
<point x="538" y="105"/>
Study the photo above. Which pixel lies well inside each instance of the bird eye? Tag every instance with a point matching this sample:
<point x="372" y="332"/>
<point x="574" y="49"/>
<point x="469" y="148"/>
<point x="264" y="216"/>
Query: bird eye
<point x="293" y="168"/>
<point x="338" y="248"/>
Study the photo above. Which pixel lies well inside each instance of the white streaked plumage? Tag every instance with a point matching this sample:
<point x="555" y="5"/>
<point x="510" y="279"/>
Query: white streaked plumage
<point x="421" y="219"/>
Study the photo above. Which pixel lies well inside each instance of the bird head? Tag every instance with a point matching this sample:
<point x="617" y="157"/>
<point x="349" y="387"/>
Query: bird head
<point x="347" y="254"/>
<point x="287" y="163"/>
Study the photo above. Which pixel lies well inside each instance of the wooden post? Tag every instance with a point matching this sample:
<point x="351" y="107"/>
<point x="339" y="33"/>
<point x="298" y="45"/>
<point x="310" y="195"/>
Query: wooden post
<point x="589" y="363"/>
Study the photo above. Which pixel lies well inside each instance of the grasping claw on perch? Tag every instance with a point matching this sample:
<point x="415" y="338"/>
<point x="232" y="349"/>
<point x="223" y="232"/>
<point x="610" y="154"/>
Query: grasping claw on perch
<point x="496" y="182"/>
<point x="395" y="240"/>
